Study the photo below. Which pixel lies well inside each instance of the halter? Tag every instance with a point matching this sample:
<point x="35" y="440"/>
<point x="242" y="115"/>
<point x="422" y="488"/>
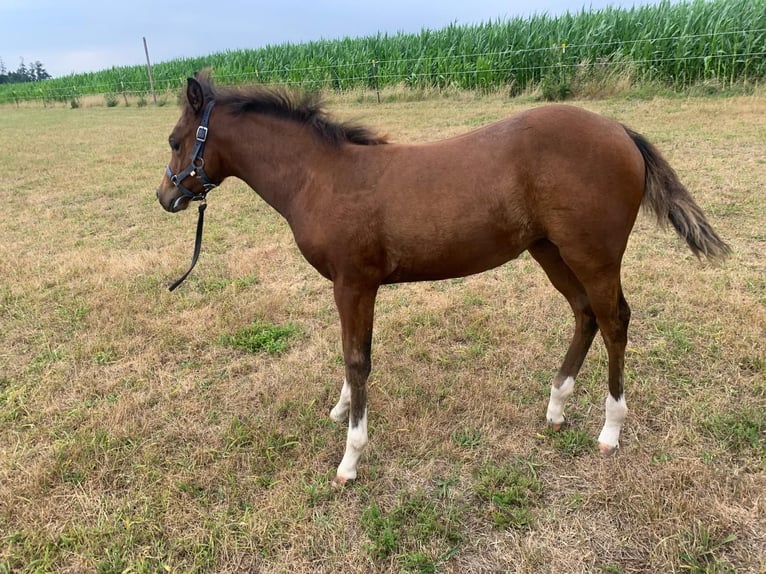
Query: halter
<point x="196" y="167"/>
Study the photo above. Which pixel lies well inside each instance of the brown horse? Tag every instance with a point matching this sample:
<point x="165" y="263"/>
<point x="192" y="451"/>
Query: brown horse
<point x="560" y="182"/>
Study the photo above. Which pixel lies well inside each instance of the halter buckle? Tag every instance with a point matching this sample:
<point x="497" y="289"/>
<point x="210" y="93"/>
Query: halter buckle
<point x="201" y="133"/>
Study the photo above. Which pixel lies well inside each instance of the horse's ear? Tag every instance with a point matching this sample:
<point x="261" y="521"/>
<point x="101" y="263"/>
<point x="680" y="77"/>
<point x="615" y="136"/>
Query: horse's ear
<point x="194" y="95"/>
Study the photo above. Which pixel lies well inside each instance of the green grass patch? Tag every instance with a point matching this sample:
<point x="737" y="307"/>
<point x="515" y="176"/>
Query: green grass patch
<point x="701" y="552"/>
<point x="261" y="337"/>
<point x="13" y="401"/>
<point x="265" y="449"/>
<point x="420" y="531"/>
<point x="510" y="489"/>
<point x="570" y="442"/>
<point x="739" y="431"/>
<point x="467" y="437"/>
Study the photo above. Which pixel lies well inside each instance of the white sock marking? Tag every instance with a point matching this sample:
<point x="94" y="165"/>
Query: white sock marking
<point x="339" y="413"/>
<point x="559" y="396"/>
<point x="616" y="411"/>
<point x="356" y="442"/>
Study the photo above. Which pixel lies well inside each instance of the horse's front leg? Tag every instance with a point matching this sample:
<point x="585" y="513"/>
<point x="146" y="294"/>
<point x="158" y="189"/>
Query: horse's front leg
<point x="356" y="307"/>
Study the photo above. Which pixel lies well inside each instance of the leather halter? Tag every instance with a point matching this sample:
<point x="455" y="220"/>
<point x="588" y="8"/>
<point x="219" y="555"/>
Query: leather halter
<point x="196" y="167"/>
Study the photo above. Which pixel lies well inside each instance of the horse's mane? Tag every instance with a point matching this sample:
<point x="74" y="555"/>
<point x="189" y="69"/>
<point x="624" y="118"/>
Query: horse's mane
<point x="305" y="108"/>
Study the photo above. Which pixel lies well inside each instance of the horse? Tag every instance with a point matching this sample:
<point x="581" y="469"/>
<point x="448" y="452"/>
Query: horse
<point x="558" y="181"/>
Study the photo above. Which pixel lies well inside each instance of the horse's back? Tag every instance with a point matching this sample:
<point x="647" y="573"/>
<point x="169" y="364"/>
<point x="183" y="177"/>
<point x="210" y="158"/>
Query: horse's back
<point x="472" y="202"/>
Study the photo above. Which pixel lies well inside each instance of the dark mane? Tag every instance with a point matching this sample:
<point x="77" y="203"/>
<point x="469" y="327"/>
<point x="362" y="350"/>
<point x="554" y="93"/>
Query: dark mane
<point x="305" y="108"/>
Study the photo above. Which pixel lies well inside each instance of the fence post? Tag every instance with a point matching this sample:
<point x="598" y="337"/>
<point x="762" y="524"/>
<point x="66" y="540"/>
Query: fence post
<point x="149" y="67"/>
<point x="375" y="77"/>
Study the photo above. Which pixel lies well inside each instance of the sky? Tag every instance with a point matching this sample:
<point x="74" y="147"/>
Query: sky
<point x="74" y="36"/>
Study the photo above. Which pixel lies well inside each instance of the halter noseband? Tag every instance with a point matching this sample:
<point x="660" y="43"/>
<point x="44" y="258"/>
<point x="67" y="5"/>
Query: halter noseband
<point x="196" y="167"/>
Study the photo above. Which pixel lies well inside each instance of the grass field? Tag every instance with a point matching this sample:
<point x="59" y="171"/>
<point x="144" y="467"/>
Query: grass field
<point x="148" y="431"/>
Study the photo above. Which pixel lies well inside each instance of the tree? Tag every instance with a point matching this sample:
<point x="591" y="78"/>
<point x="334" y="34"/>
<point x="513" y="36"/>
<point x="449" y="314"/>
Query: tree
<point x="40" y="72"/>
<point x="32" y="73"/>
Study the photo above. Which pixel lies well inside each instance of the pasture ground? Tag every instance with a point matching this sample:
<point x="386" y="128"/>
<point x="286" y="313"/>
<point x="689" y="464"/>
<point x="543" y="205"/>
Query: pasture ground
<point x="148" y="431"/>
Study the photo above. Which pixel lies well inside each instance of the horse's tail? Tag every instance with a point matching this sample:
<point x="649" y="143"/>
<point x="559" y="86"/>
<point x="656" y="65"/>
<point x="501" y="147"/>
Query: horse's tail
<point x="670" y="201"/>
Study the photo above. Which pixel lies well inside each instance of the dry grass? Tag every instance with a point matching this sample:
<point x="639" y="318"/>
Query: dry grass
<point x="134" y="438"/>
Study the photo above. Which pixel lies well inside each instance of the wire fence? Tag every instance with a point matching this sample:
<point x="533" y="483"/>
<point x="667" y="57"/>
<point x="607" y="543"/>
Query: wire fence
<point x="726" y="57"/>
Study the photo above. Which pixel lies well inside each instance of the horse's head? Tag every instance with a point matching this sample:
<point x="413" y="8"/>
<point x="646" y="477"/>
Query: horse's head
<point x="188" y="176"/>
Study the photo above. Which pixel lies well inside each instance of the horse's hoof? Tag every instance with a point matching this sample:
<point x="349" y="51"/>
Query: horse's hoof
<point x="340" y="481"/>
<point x="556" y="427"/>
<point x="607" y="449"/>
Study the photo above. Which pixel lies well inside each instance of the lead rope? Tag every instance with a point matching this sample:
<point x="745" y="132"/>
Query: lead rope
<point x="197" y="245"/>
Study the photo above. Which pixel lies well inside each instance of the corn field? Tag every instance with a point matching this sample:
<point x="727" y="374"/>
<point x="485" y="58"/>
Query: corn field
<point x="673" y="44"/>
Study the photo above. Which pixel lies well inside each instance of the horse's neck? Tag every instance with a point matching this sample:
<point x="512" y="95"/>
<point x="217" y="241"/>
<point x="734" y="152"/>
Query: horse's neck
<point x="274" y="157"/>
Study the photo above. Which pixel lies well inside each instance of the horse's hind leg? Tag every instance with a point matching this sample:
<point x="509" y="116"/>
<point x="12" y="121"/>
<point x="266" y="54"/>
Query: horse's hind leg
<point x="563" y="279"/>
<point x="613" y="316"/>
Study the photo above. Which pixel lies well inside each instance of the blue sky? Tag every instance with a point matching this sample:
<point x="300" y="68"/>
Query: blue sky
<point x="84" y="35"/>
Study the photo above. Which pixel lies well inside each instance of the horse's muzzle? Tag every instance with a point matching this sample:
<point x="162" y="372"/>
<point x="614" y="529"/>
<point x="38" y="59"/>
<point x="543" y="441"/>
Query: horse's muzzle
<point x="171" y="204"/>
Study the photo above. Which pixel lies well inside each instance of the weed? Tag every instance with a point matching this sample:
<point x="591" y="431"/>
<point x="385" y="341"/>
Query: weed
<point x="383" y="531"/>
<point x="318" y="489"/>
<point x="739" y="431"/>
<point x="661" y="458"/>
<point x="700" y="552"/>
<point x="677" y="337"/>
<point x="510" y="490"/>
<point x="418" y="562"/>
<point x="105" y="356"/>
<point x="265" y="447"/>
<point x="13" y="401"/>
<point x="553" y="89"/>
<point x="246" y="281"/>
<point x="74" y="314"/>
<point x="414" y="522"/>
<point x="443" y="486"/>
<point x="262" y="338"/>
<point x="242" y="433"/>
<point x="467" y="437"/>
<point x="571" y="442"/>
<point x="46" y="358"/>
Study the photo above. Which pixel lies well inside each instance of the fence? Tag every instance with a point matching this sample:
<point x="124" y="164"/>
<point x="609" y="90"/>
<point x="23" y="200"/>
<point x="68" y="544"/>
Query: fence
<point x="677" y="60"/>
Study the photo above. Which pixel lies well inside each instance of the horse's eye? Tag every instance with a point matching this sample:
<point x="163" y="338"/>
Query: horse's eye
<point x="174" y="145"/>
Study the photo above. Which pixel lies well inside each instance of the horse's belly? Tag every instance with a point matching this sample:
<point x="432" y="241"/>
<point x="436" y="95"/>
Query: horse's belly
<point x="429" y="262"/>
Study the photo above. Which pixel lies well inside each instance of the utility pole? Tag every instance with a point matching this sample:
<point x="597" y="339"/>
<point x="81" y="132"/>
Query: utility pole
<point x="151" y="77"/>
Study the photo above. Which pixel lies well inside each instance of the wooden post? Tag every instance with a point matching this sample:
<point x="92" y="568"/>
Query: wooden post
<point x="375" y="76"/>
<point x="151" y="77"/>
